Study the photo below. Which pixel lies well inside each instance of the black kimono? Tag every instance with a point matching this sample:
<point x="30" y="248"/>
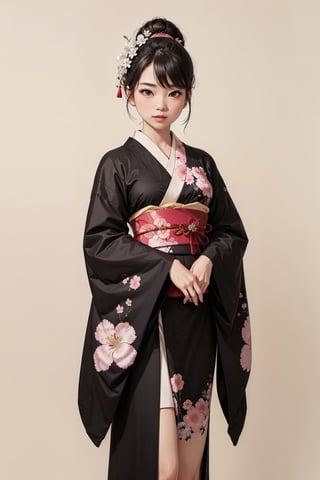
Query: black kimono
<point x="120" y="370"/>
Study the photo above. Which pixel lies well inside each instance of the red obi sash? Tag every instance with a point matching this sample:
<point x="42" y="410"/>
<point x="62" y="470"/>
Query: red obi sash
<point x="179" y="230"/>
<point x="164" y="228"/>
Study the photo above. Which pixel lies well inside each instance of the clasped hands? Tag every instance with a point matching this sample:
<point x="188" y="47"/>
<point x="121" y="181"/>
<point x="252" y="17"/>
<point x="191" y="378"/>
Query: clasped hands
<point x="194" y="282"/>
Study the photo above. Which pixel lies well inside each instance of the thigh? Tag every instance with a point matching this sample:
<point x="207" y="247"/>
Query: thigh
<point x="190" y="454"/>
<point x="168" y="444"/>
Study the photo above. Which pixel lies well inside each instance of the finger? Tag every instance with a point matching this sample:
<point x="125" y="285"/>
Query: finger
<point x="198" y="291"/>
<point x="186" y="296"/>
<point x="194" y="294"/>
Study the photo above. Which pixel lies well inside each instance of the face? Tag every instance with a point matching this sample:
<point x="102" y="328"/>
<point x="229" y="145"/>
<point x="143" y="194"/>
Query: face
<point x="158" y="107"/>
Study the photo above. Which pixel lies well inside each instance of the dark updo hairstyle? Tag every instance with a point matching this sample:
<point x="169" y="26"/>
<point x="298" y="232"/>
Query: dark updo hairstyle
<point x="172" y="63"/>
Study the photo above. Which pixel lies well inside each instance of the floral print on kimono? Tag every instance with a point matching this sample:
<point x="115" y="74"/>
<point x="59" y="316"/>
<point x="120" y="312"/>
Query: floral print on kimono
<point x="116" y="341"/>
<point x="191" y="417"/>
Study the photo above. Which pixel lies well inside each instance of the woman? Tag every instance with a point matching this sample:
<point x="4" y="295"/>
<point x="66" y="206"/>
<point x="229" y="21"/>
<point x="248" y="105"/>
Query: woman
<point x="169" y="295"/>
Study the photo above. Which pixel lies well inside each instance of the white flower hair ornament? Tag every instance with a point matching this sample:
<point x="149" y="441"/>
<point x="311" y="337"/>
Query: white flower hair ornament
<point x="130" y="51"/>
<point x="125" y="58"/>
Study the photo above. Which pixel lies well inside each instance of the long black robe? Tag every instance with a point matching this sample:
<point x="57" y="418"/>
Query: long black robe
<point x="129" y="282"/>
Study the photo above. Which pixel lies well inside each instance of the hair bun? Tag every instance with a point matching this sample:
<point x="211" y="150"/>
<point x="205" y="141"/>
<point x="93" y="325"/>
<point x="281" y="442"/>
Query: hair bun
<point x="162" y="25"/>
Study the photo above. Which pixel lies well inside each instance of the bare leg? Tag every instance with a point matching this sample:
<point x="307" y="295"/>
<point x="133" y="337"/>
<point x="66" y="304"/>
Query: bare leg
<point x="168" y="447"/>
<point x="190" y="455"/>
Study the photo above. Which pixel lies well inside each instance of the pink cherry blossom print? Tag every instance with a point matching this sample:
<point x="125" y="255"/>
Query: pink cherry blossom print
<point x="187" y="404"/>
<point x="192" y="176"/>
<point x="116" y="345"/>
<point x="128" y="302"/>
<point x="119" y="309"/>
<point x="189" y="177"/>
<point x="181" y="162"/>
<point x="148" y="228"/>
<point x="163" y="227"/>
<point x="184" y="432"/>
<point x="177" y="382"/>
<point x="135" y="282"/>
<point x="102" y="358"/>
<point x="193" y="419"/>
<point x="245" y="355"/>
<point x="246" y="331"/>
<point x="202" y="181"/>
<point x="157" y="242"/>
<point x="203" y="406"/>
<point x="125" y="281"/>
<point x="160" y="233"/>
<point x="104" y="331"/>
<point x="181" y="170"/>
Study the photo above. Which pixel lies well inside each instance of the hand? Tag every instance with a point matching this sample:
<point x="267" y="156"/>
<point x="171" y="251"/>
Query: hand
<point x="186" y="281"/>
<point x="202" y="269"/>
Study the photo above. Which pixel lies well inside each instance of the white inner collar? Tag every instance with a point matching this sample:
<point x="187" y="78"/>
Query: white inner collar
<point x="167" y="163"/>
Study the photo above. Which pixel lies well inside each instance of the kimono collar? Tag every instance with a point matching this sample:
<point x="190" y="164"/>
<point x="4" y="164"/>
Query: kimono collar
<point x="167" y="163"/>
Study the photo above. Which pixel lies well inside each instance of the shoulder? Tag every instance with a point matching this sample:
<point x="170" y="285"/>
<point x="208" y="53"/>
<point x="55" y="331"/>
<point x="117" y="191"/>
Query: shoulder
<point x="201" y="156"/>
<point x="116" y="159"/>
<point x="114" y="155"/>
<point x="198" y="152"/>
<point x="122" y="155"/>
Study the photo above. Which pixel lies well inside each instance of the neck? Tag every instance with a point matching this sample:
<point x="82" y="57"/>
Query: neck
<point x="162" y="138"/>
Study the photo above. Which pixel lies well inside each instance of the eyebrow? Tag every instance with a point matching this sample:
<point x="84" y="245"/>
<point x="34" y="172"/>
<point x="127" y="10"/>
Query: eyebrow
<point x="149" y="84"/>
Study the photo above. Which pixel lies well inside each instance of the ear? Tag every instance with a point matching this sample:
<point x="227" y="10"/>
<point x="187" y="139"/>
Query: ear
<point x="130" y="96"/>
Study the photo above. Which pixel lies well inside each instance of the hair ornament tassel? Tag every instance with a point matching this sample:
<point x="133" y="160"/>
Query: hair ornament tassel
<point x="119" y="92"/>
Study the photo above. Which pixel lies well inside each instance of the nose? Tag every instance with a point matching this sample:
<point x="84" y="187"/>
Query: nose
<point x="161" y="104"/>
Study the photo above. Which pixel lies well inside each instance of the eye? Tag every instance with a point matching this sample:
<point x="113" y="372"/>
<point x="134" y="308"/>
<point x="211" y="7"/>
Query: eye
<point x="175" y="93"/>
<point x="146" y="92"/>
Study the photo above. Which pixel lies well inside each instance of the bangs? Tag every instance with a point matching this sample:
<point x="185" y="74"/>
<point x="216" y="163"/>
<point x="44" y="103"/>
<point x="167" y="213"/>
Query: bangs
<point x="170" y="71"/>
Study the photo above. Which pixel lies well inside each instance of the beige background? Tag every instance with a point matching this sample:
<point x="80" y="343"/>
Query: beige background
<point x="255" y="109"/>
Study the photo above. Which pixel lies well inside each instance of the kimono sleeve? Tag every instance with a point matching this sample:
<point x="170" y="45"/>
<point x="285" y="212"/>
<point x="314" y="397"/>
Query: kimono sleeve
<point x="111" y="254"/>
<point x="127" y="281"/>
<point x="226" y="248"/>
